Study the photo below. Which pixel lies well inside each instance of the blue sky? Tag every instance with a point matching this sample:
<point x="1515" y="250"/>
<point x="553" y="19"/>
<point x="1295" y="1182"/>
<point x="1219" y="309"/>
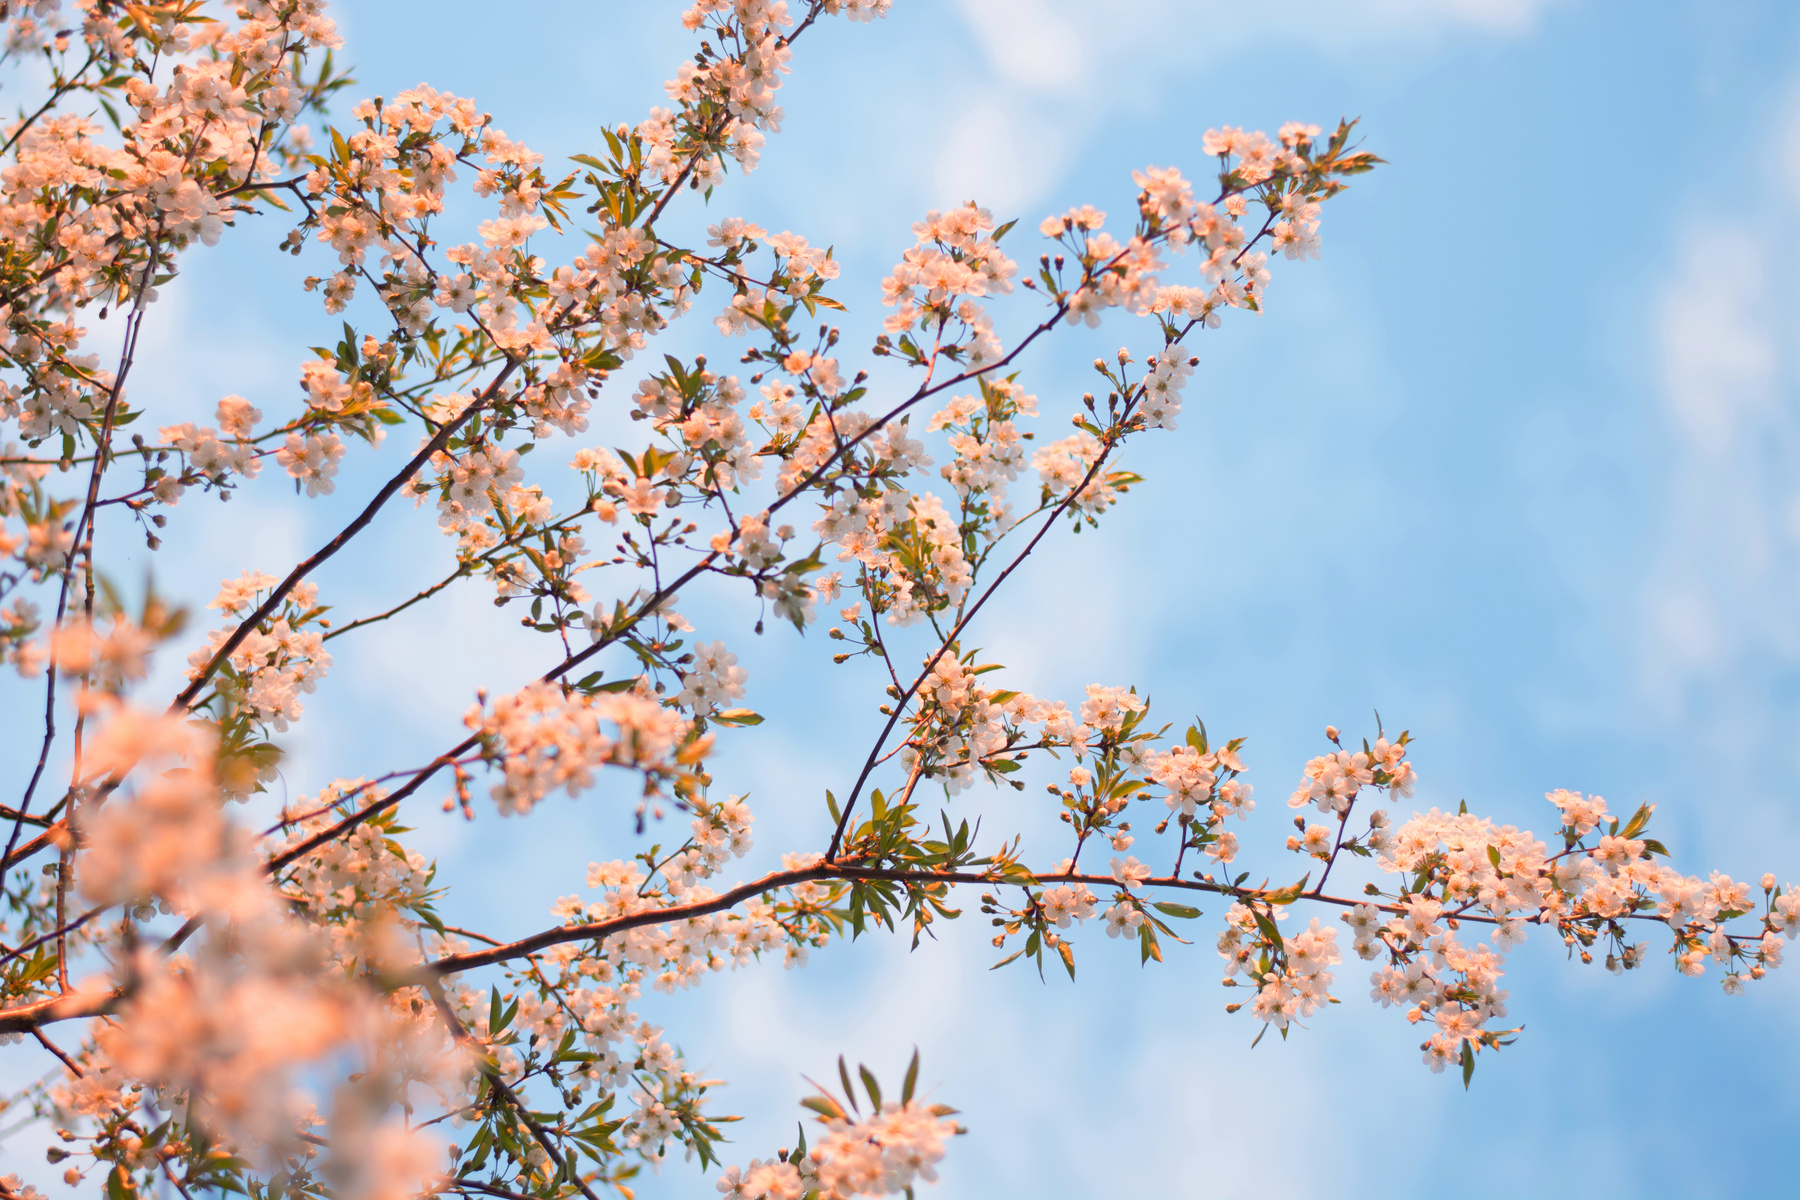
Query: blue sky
<point x="1518" y="463"/>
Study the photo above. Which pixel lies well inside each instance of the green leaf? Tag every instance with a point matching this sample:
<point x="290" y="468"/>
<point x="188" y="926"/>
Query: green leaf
<point x="1468" y="1063"/>
<point x="844" y="1075"/>
<point x="1290" y="893"/>
<point x="1269" y="931"/>
<point x="1185" y="911"/>
<point x="869" y="1084"/>
<point x="1147" y="946"/>
<point x="826" y="1107"/>
<point x="737" y="716"/>
<point x="912" y="1078"/>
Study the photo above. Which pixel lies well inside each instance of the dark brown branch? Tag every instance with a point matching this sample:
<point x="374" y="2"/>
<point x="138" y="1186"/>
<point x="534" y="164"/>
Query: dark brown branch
<point x="56" y="934"/>
<point x="27" y="1017"/>
<point x="44" y="1041"/>
<point x="22" y="853"/>
<point x="819" y="873"/>
<point x="541" y="1134"/>
<point x="344" y="536"/>
<point x="900" y="702"/>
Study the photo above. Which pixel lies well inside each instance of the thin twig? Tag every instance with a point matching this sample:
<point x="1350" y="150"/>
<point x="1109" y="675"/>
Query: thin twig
<point x="356" y="526"/>
<point x="499" y="1085"/>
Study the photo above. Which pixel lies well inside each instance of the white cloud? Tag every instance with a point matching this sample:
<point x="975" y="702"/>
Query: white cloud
<point x="1718" y="354"/>
<point x="1717" y="623"/>
<point x="1683" y="626"/>
<point x="1058" y="67"/>
<point x="1000" y="153"/>
<point x="1345" y="24"/>
<point x="1069" y="619"/>
<point x="1054" y="45"/>
<point x="1721" y="585"/>
<point x="1789" y="143"/>
<point x="1027" y="41"/>
<point x="1387" y="16"/>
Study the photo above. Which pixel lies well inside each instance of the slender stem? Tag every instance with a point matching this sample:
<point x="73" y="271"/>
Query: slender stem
<point x="486" y="1189"/>
<point x="541" y="1134"/>
<point x="344" y="536"/>
<point x="61" y="931"/>
<point x="50" y="1009"/>
<point x="401" y="607"/>
<point x="900" y="702"/>
<point x="819" y="873"/>
<point x="83" y="526"/>
<point x="44" y="1041"/>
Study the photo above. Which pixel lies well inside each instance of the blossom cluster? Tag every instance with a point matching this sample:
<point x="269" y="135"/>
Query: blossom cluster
<point x="277" y="660"/>
<point x="1298" y="984"/>
<point x="220" y="1031"/>
<point x="882" y="1154"/>
<point x="250" y="990"/>
<point x="546" y="739"/>
<point x="1466" y="867"/>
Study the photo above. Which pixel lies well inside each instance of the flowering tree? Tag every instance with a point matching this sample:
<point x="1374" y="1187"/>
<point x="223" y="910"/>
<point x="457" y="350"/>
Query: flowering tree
<point x="274" y="1005"/>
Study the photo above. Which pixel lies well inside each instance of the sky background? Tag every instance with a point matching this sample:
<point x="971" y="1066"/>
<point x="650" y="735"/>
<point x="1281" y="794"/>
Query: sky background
<point x="1517" y="464"/>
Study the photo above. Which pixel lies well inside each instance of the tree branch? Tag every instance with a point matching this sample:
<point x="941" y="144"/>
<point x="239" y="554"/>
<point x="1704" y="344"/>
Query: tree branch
<point x="820" y="873"/>
<point x="300" y="572"/>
